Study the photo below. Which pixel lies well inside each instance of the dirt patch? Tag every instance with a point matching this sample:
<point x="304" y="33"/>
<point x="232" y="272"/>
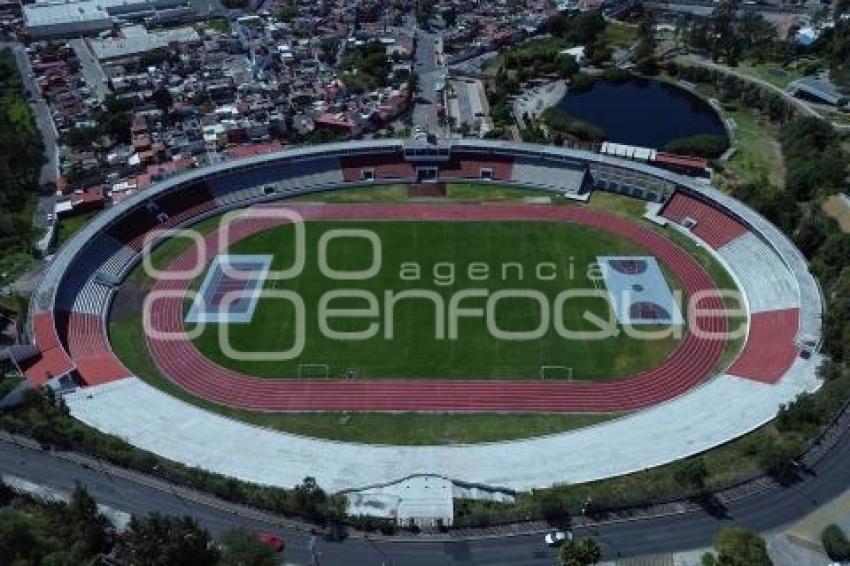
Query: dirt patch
<point x="838" y="207"/>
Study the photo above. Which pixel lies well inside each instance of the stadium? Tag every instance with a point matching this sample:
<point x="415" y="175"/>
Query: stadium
<point x="475" y="263"/>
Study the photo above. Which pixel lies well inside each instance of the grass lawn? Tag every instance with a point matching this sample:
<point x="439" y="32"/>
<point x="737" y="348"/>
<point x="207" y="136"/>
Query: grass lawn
<point x="401" y="429"/>
<point x="68" y="226"/>
<point x="773" y="73"/>
<point x="442" y="250"/>
<point x="759" y="155"/>
<point x="126" y="337"/>
<point x="393" y="193"/>
<point x="366" y="194"/>
<point x="618" y="34"/>
<point x="838" y="208"/>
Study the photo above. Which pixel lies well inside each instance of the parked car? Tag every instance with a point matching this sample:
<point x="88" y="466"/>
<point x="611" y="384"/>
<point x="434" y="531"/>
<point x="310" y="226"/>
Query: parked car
<point x="272" y="541"/>
<point x="557" y="538"/>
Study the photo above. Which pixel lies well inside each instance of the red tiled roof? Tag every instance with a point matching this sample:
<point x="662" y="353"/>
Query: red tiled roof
<point x="681" y="160"/>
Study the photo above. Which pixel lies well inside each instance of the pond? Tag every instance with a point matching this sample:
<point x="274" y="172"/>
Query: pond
<point x="643" y="112"/>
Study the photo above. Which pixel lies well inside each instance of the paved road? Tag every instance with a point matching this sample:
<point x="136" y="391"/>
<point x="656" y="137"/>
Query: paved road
<point x="44" y="121"/>
<point x="134" y="493"/>
<point x="93" y="73"/>
<point x="430" y="74"/>
<point x="801" y="104"/>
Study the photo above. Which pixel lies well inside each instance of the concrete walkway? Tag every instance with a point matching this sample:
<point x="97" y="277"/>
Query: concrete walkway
<point x="712" y="414"/>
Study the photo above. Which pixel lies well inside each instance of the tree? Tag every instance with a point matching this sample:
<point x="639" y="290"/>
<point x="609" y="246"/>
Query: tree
<point x="242" y="548"/>
<point x="162" y="99"/>
<point x="83" y="524"/>
<point x="691" y="474"/>
<point x="580" y="552"/>
<point x="835" y="543"/>
<point x="166" y="541"/>
<point x="737" y="546"/>
<point x="450" y="17"/>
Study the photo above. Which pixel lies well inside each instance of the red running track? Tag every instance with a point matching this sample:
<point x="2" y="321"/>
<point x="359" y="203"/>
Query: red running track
<point x="687" y="365"/>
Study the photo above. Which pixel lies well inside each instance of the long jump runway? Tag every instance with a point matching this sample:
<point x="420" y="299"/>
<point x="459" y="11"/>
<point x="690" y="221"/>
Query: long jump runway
<point x="689" y="364"/>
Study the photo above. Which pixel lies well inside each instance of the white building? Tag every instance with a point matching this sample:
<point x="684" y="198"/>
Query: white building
<point x="52" y="18"/>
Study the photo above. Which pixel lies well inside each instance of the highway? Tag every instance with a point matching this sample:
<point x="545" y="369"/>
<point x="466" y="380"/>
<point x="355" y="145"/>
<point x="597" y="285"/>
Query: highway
<point x="138" y="494"/>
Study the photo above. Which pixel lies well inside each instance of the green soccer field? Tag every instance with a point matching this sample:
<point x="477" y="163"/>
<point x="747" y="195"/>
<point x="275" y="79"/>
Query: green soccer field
<point x="510" y="250"/>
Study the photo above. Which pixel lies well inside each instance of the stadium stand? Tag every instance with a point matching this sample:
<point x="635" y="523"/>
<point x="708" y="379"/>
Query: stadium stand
<point x="549" y="174"/>
<point x="473" y="166"/>
<point x="763" y="277"/>
<point x="92" y="299"/>
<point x="709" y="224"/>
<point x="131" y="229"/>
<point x="380" y="167"/>
<point x="770" y="349"/>
<point x="52" y="360"/>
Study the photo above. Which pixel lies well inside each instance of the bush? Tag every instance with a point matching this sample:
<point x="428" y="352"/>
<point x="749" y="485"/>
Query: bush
<point x="835" y="543"/>
<point x="709" y="146"/>
<point x="564" y="123"/>
<point x="739" y="547"/>
<point x="581" y="82"/>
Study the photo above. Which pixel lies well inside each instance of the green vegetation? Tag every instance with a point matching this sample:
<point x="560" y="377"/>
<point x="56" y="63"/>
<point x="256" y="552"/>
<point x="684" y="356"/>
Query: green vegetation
<point x="221" y="25"/>
<point x="758" y="155"/>
<point x="619" y="34"/>
<point x="834" y="46"/>
<point x="758" y="113"/>
<point x="533" y="58"/>
<point x="243" y="548"/>
<point x="67" y="226"/>
<point x="36" y="531"/>
<point x="731" y="37"/>
<point x="814" y="158"/>
<point x="738" y="547"/>
<point x="434" y="256"/>
<point x="580" y="552"/>
<point x="113" y="120"/>
<point x="708" y="146"/>
<point x="564" y="124"/>
<point x="21" y="158"/>
<point x="46" y="419"/>
<point x="365" y="67"/>
<point x="835" y="543"/>
<point x="126" y="334"/>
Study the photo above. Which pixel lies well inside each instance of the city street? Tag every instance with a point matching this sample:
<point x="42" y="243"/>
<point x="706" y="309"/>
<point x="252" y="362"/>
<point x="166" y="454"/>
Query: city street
<point x="431" y="74"/>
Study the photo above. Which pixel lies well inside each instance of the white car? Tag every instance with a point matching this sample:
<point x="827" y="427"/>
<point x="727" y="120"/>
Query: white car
<point x="557" y="538"/>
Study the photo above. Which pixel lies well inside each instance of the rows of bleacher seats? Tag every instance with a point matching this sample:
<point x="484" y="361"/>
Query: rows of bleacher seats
<point x="631" y="183"/>
<point x="383" y="167"/>
<point x="86" y="334"/>
<point x="763" y="276"/>
<point x="474" y="166"/>
<point x="116" y="264"/>
<point x="711" y="225"/>
<point x="548" y="174"/>
<point x="770" y="349"/>
<point x="185" y="203"/>
<point x="291" y="177"/>
<point x="52" y="360"/>
<point x="93" y="298"/>
<point x="131" y="229"/>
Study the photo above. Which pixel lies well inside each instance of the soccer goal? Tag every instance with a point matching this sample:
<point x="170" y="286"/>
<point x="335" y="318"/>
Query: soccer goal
<point x="556" y="372"/>
<point x="306" y="371"/>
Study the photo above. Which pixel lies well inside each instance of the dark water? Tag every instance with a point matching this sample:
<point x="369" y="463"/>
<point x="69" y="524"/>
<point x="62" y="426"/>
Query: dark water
<point x="643" y="112"/>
